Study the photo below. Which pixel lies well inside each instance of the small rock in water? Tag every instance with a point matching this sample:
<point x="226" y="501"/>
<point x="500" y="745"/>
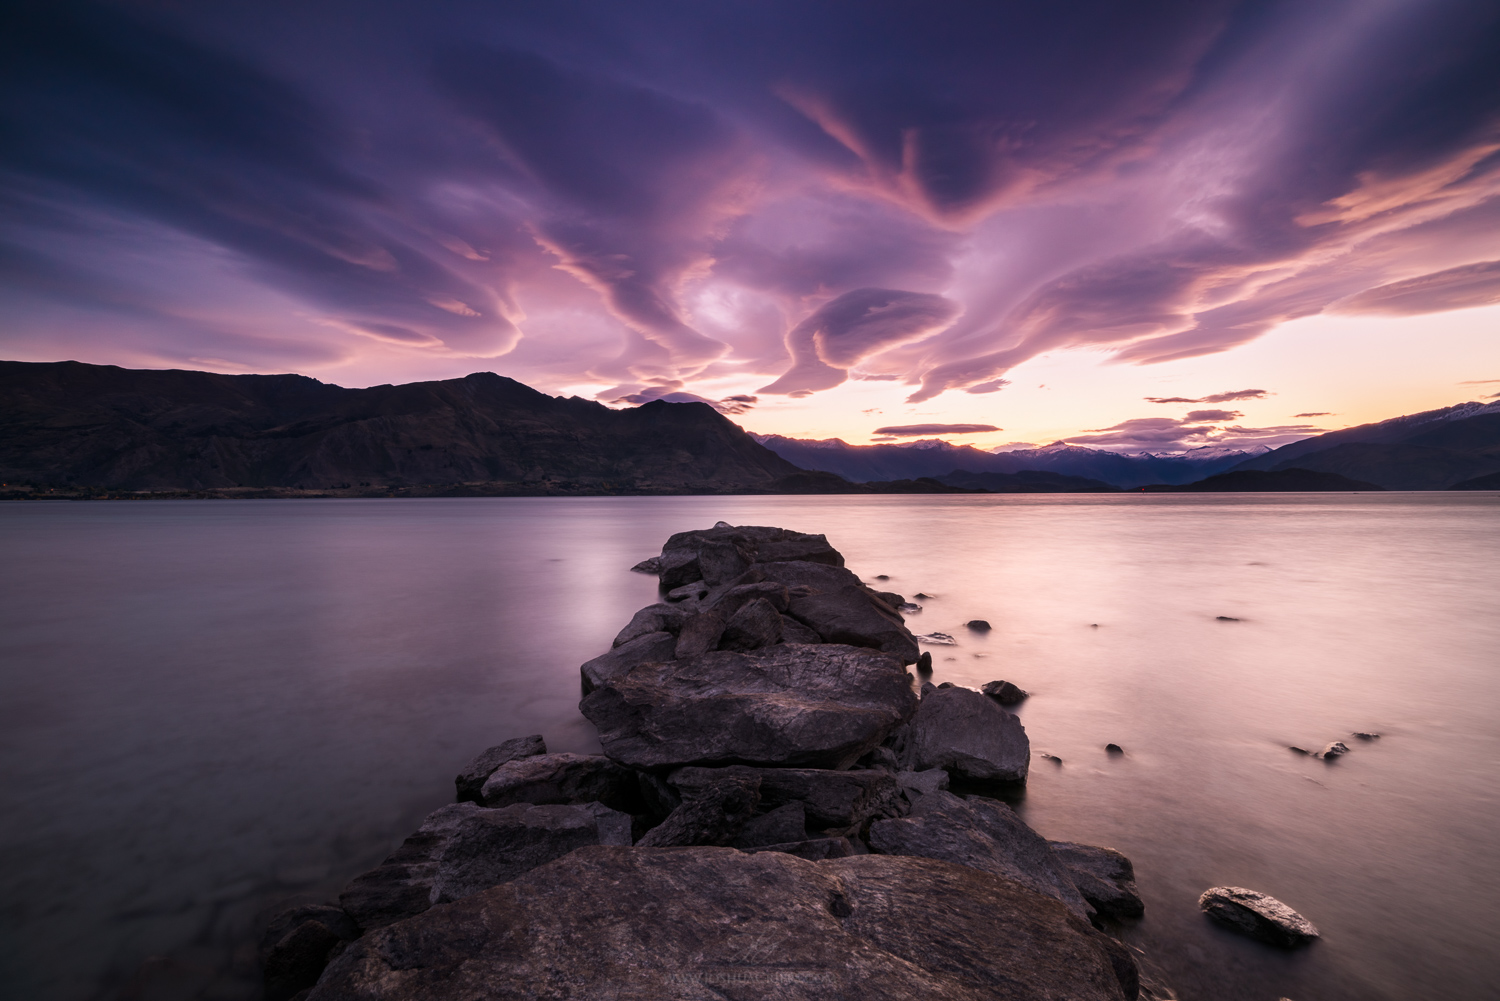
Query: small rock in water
<point x="882" y="576"/>
<point x="1004" y="692"/>
<point x="1334" y="749"/>
<point x="1257" y="915"/>
<point x="1093" y="625"/>
<point x="947" y="684"/>
<point x="1299" y="750"/>
<point x="1365" y="736"/>
<point x="937" y="639"/>
<point x="1226" y="618"/>
<point x="908" y="606"/>
<point x="1113" y="749"/>
<point x="1053" y="758"/>
<point x="924" y="663"/>
<point x="921" y="595"/>
<point x="978" y="625"/>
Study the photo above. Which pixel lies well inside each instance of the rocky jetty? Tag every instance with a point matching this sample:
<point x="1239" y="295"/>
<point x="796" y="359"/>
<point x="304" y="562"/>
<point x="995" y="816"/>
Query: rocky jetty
<point x="771" y="812"/>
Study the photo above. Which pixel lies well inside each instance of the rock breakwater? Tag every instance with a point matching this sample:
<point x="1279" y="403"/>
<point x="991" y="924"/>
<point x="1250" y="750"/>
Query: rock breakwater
<point x="771" y="812"/>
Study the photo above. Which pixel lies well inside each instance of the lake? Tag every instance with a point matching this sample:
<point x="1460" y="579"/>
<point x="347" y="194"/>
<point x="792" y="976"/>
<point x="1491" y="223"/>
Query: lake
<point x="209" y="708"/>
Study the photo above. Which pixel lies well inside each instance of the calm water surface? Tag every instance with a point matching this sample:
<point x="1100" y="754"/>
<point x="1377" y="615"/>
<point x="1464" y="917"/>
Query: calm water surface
<point x="210" y="708"/>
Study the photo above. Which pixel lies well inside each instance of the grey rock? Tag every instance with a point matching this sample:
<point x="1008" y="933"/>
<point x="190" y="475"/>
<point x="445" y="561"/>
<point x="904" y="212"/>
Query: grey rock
<point x="1257" y="915"/>
<point x="699" y="635"/>
<point x="797" y="704"/>
<point x="1334" y="750"/>
<point x="713" y="814"/>
<point x="729" y="600"/>
<point x="564" y="778"/>
<point x="830" y="799"/>
<point x="969" y="735"/>
<point x="296" y="946"/>
<point x="401" y="886"/>
<point x="722" y="562"/>
<point x="786" y="823"/>
<point x="658" y="618"/>
<point x="678" y="568"/>
<point x="688" y="592"/>
<point x="1104" y="876"/>
<point x="640" y="924"/>
<point x="1004" y="692"/>
<point x="915" y="785"/>
<point x="495" y="846"/>
<point x="983" y="834"/>
<point x="793" y="631"/>
<point x="833" y="602"/>
<point x="755" y="625"/>
<point x="471" y="780"/>
<point x="813" y="849"/>
<point x="617" y="663"/>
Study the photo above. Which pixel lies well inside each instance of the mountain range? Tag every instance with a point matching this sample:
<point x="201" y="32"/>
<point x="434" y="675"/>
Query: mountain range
<point x="934" y="458"/>
<point x="67" y="424"/>
<point x="70" y="426"/>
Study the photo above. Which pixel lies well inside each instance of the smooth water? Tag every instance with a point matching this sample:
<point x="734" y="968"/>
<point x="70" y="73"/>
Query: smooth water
<point x="208" y="708"/>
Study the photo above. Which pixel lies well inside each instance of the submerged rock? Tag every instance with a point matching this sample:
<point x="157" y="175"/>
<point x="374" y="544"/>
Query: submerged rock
<point x="938" y="639"/>
<point x="1257" y="915"/>
<point x="401" y="886"/>
<point x="983" y="834"/>
<point x="644" y="923"/>
<point x="471" y="780"/>
<point x="297" y="944"/>
<point x="1004" y="692"/>
<point x="1105" y="877"/>
<point x="968" y="734"/>
<point x="795" y="704"/>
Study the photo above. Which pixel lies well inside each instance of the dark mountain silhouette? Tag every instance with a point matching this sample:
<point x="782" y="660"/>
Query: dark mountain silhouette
<point x="863" y="463"/>
<point x="1432" y="450"/>
<point x="1489" y="481"/>
<point x="1029" y="481"/>
<point x="68" y="423"/>
<point x="1261" y="480"/>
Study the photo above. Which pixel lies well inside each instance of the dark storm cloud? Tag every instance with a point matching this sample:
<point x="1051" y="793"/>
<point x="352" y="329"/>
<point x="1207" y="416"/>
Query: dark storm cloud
<point x="716" y="186"/>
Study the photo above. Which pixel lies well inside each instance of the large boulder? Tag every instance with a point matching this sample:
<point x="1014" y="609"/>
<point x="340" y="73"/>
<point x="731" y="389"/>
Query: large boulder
<point x="793" y="704"/>
<point x="641" y="924"/>
<point x="617" y="662"/>
<point x="839" y="799"/>
<point x="564" y="778"/>
<point x="833" y="602"/>
<point x="471" y="780"/>
<point x="661" y="617"/>
<point x="1105" y="877"/>
<point x="982" y="834"/>
<point x="756" y="624"/>
<point x="968" y="734"/>
<point x="1257" y="915"/>
<point x="463" y="848"/>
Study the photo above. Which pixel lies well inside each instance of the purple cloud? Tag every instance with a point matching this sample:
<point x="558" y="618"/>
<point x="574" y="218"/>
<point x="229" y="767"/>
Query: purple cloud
<point x="917" y="430"/>
<point x="1239" y="394"/>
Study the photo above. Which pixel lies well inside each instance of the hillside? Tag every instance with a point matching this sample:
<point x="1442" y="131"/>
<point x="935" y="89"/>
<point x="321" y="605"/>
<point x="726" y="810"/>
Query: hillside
<point x="71" y="424"/>
<point x="1432" y="450"/>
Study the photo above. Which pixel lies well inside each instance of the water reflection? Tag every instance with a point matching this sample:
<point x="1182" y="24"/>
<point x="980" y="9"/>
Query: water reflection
<point x="208" y="707"/>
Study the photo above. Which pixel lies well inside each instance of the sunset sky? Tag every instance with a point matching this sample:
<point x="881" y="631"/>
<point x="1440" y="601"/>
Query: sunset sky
<point x="1272" y="218"/>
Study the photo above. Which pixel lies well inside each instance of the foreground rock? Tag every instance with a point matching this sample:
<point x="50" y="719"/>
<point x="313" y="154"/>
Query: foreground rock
<point x="812" y="705"/>
<point x="297" y="944"/>
<point x="563" y="778"/>
<point x="649" y="924"/>
<point x="1105" y="877"/>
<point x="982" y="834"/>
<point x="471" y="780"/>
<point x="1257" y="915"/>
<point x="826" y="799"/>
<point x="464" y="848"/>
<point x="968" y="734"/>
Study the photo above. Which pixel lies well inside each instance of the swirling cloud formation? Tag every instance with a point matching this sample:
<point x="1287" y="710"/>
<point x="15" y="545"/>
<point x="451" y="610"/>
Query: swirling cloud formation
<point x="654" y="194"/>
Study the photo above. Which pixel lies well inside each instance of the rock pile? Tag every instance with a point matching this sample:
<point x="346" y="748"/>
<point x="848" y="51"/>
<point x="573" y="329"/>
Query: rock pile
<point x="771" y="811"/>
